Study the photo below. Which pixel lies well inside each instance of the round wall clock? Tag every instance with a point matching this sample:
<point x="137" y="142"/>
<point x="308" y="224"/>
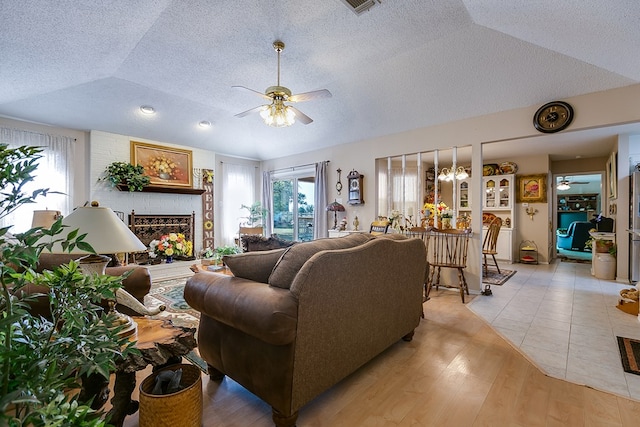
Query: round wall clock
<point x="553" y="117"/>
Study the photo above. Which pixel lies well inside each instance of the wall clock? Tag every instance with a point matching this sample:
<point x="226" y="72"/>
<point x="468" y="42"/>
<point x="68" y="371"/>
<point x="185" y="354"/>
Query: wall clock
<point x="553" y="117"/>
<point x="355" y="188"/>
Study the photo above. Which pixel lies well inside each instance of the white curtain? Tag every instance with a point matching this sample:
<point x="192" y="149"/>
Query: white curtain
<point x="55" y="172"/>
<point x="238" y="188"/>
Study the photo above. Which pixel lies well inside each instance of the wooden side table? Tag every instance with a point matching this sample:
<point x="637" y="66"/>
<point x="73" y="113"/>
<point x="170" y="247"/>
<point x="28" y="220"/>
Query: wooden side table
<point x="160" y="344"/>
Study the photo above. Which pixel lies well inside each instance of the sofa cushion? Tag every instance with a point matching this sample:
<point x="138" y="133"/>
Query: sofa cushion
<point x="256" y="266"/>
<point x="295" y="256"/>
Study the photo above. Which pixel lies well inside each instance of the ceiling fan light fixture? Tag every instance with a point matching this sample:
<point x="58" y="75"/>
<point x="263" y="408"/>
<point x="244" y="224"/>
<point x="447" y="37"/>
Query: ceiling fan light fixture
<point x="204" y="124"/>
<point x="278" y="115"/>
<point x="564" y="185"/>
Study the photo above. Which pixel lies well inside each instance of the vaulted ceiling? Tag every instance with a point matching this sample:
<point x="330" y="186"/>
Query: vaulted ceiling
<point x="402" y="65"/>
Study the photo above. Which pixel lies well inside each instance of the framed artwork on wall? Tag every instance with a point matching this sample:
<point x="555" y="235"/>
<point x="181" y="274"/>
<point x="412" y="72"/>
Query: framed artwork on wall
<point x="532" y="189"/>
<point x="612" y="176"/>
<point x="166" y="166"/>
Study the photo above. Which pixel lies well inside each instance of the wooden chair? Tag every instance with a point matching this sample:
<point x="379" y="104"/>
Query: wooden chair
<point x="447" y="249"/>
<point x="490" y="242"/>
<point x="379" y="227"/>
<point x="248" y="231"/>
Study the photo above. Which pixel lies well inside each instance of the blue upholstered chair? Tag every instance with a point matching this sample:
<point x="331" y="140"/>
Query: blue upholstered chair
<point x="576" y="236"/>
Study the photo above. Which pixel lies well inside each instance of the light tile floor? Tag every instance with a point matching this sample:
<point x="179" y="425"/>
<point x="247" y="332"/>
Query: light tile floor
<point x="565" y="321"/>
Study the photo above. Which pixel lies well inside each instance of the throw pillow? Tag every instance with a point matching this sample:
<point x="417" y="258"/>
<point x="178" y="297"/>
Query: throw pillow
<point x="295" y="256"/>
<point x="254" y="266"/>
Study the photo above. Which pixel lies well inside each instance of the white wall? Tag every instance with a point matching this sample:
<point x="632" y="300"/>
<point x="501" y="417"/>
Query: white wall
<point x="106" y="148"/>
<point x="607" y="108"/>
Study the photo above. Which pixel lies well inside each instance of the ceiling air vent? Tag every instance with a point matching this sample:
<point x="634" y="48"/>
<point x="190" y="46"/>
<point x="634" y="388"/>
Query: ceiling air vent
<point x="359" y="6"/>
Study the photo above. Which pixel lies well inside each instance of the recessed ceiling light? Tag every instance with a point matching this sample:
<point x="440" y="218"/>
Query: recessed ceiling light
<point x="147" y="109"/>
<point x="204" y="124"/>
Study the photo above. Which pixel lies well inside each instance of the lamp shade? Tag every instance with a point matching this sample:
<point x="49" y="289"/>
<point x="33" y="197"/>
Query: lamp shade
<point x="106" y="233"/>
<point x="44" y="219"/>
<point x="335" y="207"/>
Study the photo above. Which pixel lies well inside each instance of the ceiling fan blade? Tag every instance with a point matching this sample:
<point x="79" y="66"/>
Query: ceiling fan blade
<point x="307" y="96"/>
<point x="251" y="111"/>
<point x="304" y="119"/>
<point x="254" y="91"/>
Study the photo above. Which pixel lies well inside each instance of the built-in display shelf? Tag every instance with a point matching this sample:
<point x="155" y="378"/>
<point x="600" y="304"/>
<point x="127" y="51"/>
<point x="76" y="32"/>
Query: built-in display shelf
<point x="173" y="190"/>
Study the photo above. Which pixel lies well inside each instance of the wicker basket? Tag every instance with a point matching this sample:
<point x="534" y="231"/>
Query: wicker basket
<point x="183" y="408"/>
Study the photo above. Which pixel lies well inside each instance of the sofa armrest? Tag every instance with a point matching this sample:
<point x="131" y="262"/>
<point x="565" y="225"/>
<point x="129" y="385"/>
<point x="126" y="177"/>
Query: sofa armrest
<point x="257" y="309"/>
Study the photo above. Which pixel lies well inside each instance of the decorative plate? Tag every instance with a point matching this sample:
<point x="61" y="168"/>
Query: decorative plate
<point x="508" y="167"/>
<point x="490" y="169"/>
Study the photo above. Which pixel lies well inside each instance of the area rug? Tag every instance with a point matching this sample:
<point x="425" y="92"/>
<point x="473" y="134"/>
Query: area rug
<point x="492" y="277"/>
<point x="575" y="260"/>
<point x="171" y="294"/>
<point x="630" y="354"/>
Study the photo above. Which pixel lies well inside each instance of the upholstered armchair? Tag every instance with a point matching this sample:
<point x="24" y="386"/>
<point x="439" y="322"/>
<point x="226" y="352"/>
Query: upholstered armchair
<point x="576" y="236"/>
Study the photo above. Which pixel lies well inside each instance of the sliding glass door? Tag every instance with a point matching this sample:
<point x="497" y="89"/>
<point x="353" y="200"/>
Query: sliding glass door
<point x="293" y="208"/>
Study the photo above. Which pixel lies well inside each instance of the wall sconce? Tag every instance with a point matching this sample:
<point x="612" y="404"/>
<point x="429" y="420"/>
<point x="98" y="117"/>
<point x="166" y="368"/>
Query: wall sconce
<point x="531" y="212"/>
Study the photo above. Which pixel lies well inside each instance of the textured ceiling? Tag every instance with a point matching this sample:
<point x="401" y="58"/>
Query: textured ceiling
<point x="405" y="64"/>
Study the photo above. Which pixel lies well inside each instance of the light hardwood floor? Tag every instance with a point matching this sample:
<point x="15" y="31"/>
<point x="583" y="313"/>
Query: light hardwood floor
<point x="457" y="371"/>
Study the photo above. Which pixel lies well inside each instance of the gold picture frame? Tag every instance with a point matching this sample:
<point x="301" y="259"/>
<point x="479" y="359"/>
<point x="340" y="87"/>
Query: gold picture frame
<point x="165" y="166"/>
<point x="532" y="189"/>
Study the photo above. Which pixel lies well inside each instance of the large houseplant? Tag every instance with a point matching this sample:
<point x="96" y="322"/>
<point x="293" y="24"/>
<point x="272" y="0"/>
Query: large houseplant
<point x="255" y="215"/>
<point x="42" y="361"/>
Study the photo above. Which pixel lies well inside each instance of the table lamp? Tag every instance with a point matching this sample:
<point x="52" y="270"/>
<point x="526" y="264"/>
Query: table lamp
<point x="107" y="234"/>
<point x="335" y="207"/>
<point x="45" y="218"/>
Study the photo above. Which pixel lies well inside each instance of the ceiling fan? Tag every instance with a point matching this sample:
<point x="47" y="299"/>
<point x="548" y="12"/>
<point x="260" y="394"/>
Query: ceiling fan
<point x="277" y="113"/>
<point x="565" y="184"/>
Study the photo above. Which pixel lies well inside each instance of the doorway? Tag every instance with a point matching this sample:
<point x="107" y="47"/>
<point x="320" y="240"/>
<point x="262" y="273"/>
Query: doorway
<point x="577" y="201"/>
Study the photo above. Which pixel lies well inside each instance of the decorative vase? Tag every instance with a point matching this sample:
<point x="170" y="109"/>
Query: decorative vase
<point x="169" y="259"/>
<point x="446" y="223"/>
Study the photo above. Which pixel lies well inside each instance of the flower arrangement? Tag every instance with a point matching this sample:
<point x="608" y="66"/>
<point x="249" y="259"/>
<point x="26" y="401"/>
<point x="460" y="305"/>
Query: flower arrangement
<point x="162" y="167"/>
<point x="433" y="210"/>
<point x="170" y="245"/>
<point x="446" y="213"/>
<point x="394" y="220"/>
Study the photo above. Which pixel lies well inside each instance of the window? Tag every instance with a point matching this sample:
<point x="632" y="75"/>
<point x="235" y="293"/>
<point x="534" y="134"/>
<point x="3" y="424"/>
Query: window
<point x="293" y="205"/>
<point x="54" y="172"/>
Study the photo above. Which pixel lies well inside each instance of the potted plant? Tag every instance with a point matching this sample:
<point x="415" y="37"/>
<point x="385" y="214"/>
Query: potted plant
<point x="605" y="246"/>
<point x="256" y="214"/>
<point x="123" y="173"/>
<point x="42" y="361"/>
<point x="221" y="251"/>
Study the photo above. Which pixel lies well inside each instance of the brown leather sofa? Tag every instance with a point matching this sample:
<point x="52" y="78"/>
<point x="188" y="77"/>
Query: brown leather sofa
<point x="138" y="283"/>
<point x="293" y="322"/>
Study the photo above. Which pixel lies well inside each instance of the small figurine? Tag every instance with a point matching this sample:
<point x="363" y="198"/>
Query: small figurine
<point x="343" y="224"/>
<point x="356" y="223"/>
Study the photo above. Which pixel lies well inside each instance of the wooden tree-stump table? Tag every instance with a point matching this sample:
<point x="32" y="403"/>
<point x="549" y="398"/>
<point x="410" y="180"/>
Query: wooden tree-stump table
<point x="160" y="344"/>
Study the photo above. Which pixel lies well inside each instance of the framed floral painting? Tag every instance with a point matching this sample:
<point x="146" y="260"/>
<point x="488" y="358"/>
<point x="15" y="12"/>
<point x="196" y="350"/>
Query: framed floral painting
<point x="532" y="189"/>
<point x="166" y="166"/>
